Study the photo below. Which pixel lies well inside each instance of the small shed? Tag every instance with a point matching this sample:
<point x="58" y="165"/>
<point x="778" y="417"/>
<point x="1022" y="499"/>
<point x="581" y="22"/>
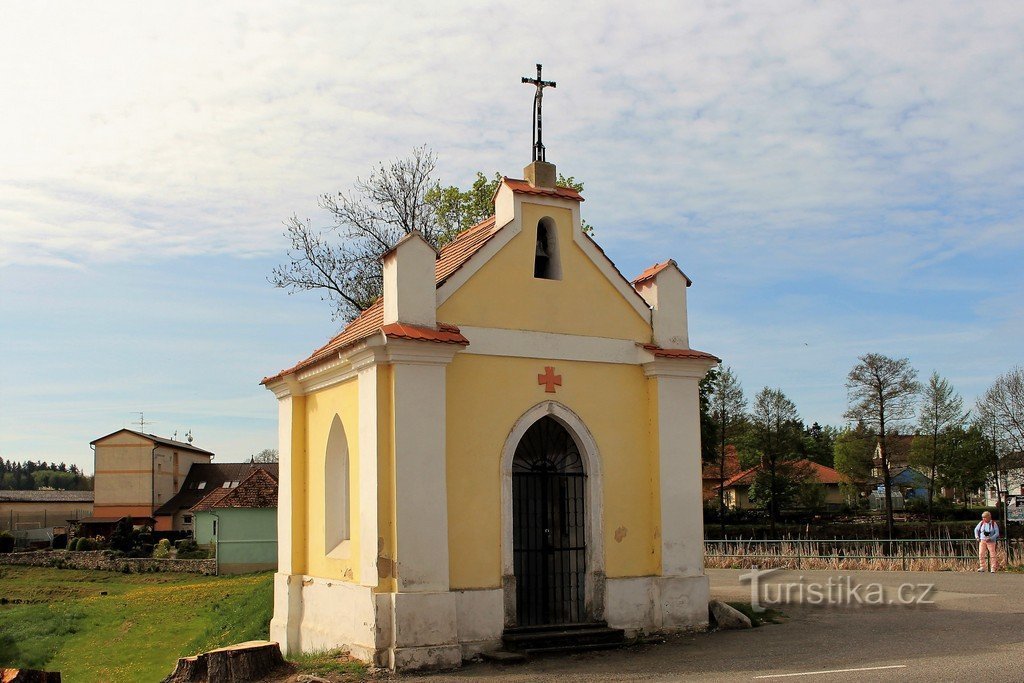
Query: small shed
<point x="241" y="522"/>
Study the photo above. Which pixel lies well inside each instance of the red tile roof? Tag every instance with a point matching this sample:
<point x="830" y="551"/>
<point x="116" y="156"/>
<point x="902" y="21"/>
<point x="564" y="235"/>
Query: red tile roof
<point x="732" y="465"/>
<point x="657" y="268"/>
<point x="444" y="334"/>
<point x="679" y="353"/>
<point x="258" y="490"/>
<point x="821" y="474"/>
<point x="523" y="187"/>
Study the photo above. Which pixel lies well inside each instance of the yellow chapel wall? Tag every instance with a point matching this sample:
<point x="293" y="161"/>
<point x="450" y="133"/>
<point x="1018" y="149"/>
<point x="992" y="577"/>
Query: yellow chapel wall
<point x="505" y="294"/>
<point x="486" y="396"/>
<point x="320" y="408"/>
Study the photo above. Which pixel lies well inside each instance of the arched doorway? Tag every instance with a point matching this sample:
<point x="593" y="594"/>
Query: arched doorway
<point x="549" y="526"/>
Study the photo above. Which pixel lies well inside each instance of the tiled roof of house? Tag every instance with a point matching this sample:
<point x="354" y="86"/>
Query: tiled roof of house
<point x="821" y="474"/>
<point x="732" y="465"/>
<point x="157" y="440"/>
<point x="257" y="490"/>
<point x="657" y="268"/>
<point x="46" y="496"/>
<point x="202" y="478"/>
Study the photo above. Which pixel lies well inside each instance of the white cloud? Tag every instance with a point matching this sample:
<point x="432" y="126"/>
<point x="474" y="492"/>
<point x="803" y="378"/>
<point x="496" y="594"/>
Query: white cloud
<point x="196" y="128"/>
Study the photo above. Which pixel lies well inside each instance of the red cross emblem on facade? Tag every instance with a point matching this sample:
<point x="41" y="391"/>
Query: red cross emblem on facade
<point x="550" y="380"/>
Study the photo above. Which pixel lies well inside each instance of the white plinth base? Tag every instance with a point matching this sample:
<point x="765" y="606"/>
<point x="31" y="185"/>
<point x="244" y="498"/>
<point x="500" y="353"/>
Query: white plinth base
<point x="438" y="630"/>
<point x="657" y="604"/>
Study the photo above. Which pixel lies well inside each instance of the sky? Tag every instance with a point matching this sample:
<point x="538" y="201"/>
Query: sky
<point x="836" y="178"/>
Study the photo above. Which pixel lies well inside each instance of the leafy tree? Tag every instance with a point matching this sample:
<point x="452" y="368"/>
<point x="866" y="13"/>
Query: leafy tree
<point x="881" y="395"/>
<point x="854" y="456"/>
<point x="726" y="410"/>
<point x="266" y="455"/>
<point x="121" y="537"/>
<point x="775" y="431"/>
<point x="941" y="409"/>
<point x="818" y="444"/>
<point x="342" y="261"/>
<point x="965" y="459"/>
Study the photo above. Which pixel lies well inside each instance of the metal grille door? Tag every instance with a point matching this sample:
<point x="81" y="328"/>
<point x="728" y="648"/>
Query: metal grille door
<point x="549" y="534"/>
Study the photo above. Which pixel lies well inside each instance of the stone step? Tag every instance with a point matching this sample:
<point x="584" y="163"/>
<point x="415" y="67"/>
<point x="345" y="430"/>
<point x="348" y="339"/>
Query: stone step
<point x="564" y="638"/>
<point x="570" y="649"/>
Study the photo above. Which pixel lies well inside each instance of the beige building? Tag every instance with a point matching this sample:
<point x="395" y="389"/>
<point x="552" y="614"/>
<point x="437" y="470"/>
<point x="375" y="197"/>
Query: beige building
<point x="27" y="510"/>
<point x="137" y="473"/>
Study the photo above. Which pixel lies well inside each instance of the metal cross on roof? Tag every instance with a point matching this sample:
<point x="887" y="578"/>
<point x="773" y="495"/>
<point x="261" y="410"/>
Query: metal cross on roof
<point x="538" y="144"/>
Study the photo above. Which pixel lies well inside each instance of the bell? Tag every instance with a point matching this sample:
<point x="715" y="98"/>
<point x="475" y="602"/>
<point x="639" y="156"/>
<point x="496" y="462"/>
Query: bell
<point x="541" y="251"/>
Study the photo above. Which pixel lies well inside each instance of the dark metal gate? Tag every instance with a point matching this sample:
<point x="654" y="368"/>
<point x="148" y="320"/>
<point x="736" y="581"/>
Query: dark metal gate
<point x="548" y="528"/>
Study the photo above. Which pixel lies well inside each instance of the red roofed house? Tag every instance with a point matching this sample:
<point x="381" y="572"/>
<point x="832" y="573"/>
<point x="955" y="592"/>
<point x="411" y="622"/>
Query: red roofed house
<point x="712" y="473"/>
<point x="509" y="438"/>
<point x="241" y="523"/>
<point x="737" y="487"/>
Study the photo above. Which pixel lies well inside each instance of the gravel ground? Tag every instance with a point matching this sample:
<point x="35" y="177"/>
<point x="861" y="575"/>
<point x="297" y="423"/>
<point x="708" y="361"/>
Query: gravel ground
<point x="973" y="629"/>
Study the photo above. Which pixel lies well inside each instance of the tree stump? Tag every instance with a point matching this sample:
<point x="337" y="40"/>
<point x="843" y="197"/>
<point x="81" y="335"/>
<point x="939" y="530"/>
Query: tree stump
<point x="233" y="664"/>
<point x="28" y="676"/>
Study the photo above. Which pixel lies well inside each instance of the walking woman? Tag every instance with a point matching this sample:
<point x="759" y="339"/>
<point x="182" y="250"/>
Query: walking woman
<point x="987" y="533"/>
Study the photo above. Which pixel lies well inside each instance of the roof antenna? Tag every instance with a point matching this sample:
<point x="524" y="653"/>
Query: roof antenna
<point x="188" y="436"/>
<point x="142" y="421"/>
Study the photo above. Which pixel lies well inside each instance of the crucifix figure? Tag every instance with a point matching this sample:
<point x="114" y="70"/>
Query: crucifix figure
<point x="538" y="144"/>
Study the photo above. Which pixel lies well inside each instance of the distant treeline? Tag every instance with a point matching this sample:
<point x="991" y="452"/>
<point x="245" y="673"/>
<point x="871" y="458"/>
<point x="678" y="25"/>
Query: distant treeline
<point x="30" y="476"/>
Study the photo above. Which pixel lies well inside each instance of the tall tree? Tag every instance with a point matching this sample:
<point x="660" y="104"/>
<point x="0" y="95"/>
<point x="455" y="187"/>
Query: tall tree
<point x="881" y="394"/>
<point x="727" y="407"/>
<point x="854" y="456"/>
<point x="342" y="260"/>
<point x="941" y="409"/>
<point x="819" y="444"/>
<point x="775" y="431"/>
<point x="1003" y="404"/>
<point x="965" y="459"/>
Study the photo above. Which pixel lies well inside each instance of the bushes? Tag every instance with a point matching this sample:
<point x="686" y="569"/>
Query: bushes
<point x="162" y="551"/>
<point x="188" y="549"/>
<point x="85" y="543"/>
<point x="6" y="542"/>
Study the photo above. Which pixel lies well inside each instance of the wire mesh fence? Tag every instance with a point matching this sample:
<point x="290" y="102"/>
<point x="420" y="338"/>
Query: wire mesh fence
<point x="913" y="554"/>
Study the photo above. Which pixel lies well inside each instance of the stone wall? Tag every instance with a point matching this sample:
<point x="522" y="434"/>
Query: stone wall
<point x="102" y="560"/>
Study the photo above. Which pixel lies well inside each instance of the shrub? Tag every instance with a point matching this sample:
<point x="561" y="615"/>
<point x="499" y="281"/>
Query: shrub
<point x="6" y="542"/>
<point x="85" y="544"/>
<point x="162" y="550"/>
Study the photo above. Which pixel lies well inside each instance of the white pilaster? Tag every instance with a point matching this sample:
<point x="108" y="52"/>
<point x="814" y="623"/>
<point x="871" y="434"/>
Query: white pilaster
<point x="679" y="464"/>
<point x="284" y="626"/>
<point x="366" y="367"/>
<point x="421" y="501"/>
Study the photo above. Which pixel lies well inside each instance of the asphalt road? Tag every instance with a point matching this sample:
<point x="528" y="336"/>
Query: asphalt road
<point x="972" y="630"/>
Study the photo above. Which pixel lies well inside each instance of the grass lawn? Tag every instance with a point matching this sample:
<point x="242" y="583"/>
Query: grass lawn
<point x="105" y="626"/>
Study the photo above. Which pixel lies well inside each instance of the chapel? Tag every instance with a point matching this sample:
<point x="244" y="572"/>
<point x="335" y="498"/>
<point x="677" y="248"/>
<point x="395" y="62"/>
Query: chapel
<point x="508" y="439"/>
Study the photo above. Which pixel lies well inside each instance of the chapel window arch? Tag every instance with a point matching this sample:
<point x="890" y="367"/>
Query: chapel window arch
<point x="546" y="262"/>
<point x="337" y="525"/>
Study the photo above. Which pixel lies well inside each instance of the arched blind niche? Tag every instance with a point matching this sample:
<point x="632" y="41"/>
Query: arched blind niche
<point x="336" y="487"/>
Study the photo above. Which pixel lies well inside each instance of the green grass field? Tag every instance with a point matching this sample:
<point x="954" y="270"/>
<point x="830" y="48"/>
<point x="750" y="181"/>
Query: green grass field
<point x="104" y="626"/>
